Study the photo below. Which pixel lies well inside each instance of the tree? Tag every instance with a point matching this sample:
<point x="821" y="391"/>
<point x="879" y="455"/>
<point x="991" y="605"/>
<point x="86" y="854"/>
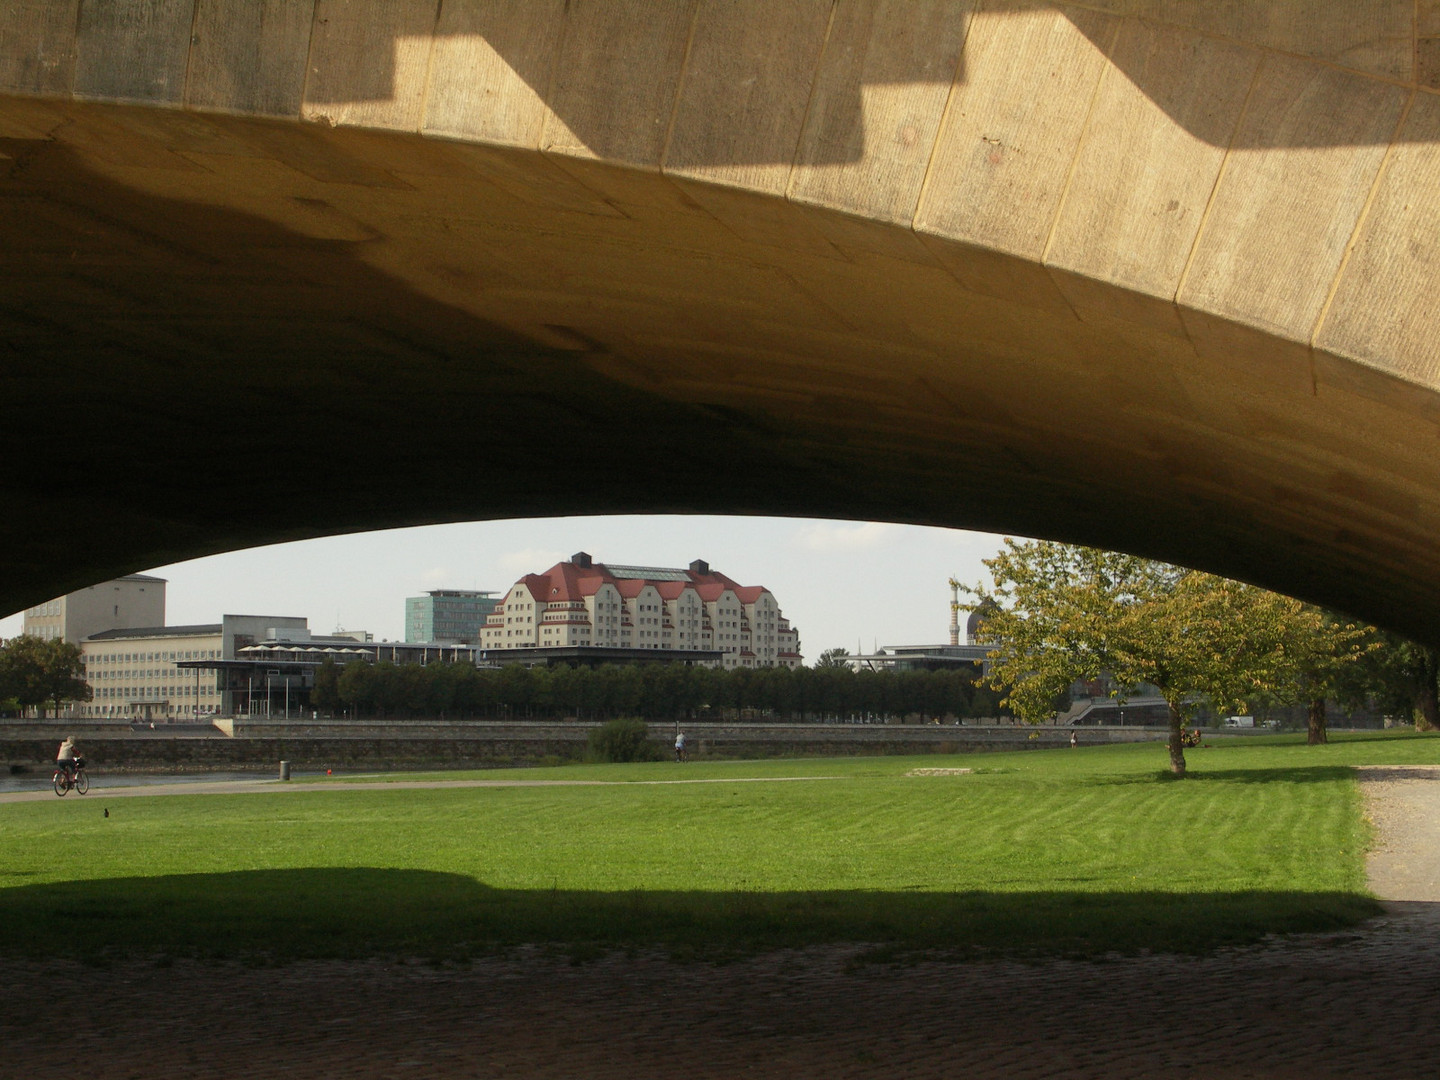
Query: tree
<point x="1054" y="616"/>
<point x="326" y="693"/>
<point x="1321" y="650"/>
<point x="832" y="658"/>
<point x="37" y="672"/>
<point x="1201" y="637"/>
<point x="1059" y="614"/>
<point x="1400" y="675"/>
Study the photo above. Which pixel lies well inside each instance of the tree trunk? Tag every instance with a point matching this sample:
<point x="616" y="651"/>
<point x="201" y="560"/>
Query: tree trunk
<point x="1316" y="717"/>
<point x="1177" y="747"/>
<point x="1427" y="701"/>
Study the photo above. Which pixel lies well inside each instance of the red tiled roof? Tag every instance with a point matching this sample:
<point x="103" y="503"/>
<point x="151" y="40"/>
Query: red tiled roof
<point x="565" y="581"/>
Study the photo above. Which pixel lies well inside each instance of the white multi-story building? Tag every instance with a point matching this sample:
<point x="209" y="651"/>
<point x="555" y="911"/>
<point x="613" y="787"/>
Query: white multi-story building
<point x="149" y="672"/>
<point x="585" y="604"/>
<point x="131" y="601"/>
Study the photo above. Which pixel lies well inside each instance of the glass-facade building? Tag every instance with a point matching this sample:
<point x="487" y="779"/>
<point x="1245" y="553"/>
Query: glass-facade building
<point x="450" y="615"/>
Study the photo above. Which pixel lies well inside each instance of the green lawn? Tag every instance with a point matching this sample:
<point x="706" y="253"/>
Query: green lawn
<point x="1078" y="852"/>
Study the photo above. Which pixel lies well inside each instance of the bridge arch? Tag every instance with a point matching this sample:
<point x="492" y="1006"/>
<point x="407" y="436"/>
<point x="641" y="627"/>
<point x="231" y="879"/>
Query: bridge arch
<point x="1150" y="276"/>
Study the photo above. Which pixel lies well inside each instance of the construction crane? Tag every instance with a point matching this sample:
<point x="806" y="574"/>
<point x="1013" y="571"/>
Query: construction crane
<point x="954" y="612"/>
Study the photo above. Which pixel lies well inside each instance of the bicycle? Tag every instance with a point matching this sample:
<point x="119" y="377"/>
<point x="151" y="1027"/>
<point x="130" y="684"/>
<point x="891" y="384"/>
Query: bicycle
<point x="64" y="779"/>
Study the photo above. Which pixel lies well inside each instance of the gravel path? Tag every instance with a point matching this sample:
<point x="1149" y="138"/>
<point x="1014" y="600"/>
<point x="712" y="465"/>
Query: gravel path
<point x="274" y="787"/>
<point x="1404" y="805"/>
<point x="1318" y="1007"/>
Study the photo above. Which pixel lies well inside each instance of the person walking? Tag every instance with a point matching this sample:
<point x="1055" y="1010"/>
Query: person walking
<point x="679" y="746"/>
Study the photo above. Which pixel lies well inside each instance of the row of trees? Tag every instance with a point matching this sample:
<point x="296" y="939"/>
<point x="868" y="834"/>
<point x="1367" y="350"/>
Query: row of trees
<point x="36" y="673"/>
<point x="1058" y="614"/>
<point x="651" y="691"/>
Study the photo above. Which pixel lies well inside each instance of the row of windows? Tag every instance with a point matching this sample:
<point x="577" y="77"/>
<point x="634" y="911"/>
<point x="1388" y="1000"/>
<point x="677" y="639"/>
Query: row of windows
<point x="106" y="692"/>
<point x="148" y="657"/>
<point x="121" y="710"/>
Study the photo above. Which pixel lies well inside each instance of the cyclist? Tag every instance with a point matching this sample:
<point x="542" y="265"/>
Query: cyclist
<point x="65" y="757"/>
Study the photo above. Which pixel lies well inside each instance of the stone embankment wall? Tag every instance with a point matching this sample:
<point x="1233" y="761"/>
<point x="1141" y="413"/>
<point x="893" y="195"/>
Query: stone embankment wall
<point x="422" y="744"/>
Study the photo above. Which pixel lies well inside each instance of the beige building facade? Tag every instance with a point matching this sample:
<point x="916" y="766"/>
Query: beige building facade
<point x="581" y="603"/>
<point x="134" y="673"/>
<point x="134" y="600"/>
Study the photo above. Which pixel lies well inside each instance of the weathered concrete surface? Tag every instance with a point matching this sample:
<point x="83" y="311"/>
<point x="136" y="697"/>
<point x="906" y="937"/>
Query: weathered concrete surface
<point x="1138" y="273"/>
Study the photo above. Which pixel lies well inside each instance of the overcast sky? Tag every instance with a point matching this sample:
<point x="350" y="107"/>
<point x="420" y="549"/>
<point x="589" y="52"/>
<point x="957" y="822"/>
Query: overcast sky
<point x="840" y="583"/>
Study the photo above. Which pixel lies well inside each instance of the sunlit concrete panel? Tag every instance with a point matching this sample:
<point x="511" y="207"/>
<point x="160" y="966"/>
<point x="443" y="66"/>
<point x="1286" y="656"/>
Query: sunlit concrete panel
<point x="1383" y="313"/>
<point x="876" y="105"/>
<point x="1015" y="119"/>
<point x="492" y="69"/>
<point x="1310" y="148"/>
<point x="1150" y="158"/>
<point x="370" y="63"/>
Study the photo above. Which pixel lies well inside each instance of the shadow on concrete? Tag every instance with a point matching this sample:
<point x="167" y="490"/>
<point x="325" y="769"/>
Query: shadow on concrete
<point x="227" y="382"/>
<point x="892" y="45"/>
<point x="567" y="52"/>
<point x="318" y="913"/>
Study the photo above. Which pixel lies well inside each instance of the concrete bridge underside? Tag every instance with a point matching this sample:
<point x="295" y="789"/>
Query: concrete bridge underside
<point x="1145" y="274"/>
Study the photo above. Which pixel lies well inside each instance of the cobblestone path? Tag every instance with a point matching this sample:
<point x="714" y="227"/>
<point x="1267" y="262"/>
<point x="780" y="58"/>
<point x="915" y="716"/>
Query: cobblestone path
<point x="1347" y="1005"/>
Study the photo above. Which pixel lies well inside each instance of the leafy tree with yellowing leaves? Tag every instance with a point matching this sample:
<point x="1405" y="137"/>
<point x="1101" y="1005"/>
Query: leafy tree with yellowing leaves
<point x="1061" y="613"/>
<point x="1323" y="654"/>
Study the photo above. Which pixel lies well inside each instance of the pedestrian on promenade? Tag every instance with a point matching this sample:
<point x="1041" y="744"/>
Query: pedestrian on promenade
<point x="1074" y="739"/>
<point x="679" y="746"/>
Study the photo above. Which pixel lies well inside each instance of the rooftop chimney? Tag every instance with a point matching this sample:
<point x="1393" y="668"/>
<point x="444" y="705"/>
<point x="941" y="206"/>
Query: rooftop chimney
<point x="700" y="566"/>
<point x="581" y="559"/>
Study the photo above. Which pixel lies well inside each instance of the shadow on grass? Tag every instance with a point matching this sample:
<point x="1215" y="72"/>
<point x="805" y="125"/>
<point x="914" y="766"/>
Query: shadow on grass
<point x="1388" y="735"/>
<point x="276" y="915"/>
<point x="1298" y="774"/>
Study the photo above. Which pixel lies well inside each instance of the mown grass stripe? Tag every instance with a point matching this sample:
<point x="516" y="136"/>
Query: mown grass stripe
<point x="1071" y="851"/>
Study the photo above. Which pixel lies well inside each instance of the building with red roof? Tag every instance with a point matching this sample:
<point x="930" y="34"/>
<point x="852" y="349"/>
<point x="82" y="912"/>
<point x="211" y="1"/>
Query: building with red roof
<point x="582" y="604"/>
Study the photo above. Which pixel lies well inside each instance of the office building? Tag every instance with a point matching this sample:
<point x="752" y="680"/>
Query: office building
<point x="134" y="600"/>
<point x="448" y="615"/>
<point x="151" y="673"/>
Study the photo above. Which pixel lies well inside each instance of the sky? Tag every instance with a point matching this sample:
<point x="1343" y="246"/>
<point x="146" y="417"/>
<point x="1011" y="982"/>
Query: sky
<point x="842" y="584"/>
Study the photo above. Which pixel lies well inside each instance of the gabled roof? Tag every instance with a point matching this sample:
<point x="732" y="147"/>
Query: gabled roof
<point x="579" y="577"/>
